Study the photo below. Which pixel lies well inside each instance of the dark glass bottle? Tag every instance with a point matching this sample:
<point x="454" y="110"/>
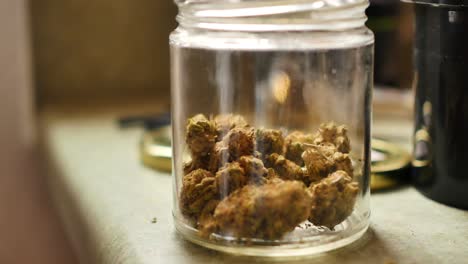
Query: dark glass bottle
<point x="440" y="165"/>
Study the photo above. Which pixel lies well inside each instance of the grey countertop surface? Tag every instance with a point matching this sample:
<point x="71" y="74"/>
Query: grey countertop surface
<point x="108" y="201"/>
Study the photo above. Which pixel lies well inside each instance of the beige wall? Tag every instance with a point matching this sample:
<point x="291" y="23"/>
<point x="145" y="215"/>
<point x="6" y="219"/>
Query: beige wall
<point x="30" y="232"/>
<point x="94" y="50"/>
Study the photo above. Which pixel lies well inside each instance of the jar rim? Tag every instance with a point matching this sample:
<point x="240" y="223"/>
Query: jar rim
<point x="272" y="15"/>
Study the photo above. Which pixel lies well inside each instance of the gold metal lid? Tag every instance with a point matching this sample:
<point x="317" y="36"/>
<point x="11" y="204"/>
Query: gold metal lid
<point x="389" y="165"/>
<point x="156" y="150"/>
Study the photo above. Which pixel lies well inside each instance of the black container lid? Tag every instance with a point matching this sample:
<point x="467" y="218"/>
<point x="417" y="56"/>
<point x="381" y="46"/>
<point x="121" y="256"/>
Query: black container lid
<point x="442" y="3"/>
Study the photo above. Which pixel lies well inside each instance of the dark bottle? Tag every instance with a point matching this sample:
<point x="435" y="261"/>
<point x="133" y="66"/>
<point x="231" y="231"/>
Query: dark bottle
<point x="440" y="166"/>
<point x="383" y="21"/>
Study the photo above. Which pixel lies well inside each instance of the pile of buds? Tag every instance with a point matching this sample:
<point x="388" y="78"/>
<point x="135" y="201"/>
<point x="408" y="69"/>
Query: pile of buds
<point x="248" y="182"/>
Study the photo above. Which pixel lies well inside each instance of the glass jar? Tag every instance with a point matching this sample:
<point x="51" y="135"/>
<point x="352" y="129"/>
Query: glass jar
<point x="271" y="110"/>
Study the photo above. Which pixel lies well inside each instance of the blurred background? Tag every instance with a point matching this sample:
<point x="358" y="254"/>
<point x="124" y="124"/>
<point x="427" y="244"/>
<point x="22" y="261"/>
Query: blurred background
<point x="86" y="54"/>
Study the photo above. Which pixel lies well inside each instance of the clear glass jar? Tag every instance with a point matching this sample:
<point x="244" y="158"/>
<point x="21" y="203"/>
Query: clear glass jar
<point x="271" y="105"/>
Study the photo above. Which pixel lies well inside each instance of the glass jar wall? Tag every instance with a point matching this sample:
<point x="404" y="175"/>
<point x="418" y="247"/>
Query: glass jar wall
<point x="271" y="124"/>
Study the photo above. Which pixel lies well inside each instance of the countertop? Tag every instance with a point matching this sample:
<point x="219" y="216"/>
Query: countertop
<point x="117" y="211"/>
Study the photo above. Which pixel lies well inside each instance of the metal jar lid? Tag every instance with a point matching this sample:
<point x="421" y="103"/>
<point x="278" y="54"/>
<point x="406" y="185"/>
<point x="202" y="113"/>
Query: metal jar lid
<point x="441" y="3"/>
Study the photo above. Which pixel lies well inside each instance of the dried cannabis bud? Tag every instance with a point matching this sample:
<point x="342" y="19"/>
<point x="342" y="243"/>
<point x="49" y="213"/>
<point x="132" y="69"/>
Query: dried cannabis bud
<point x="230" y="178"/>
<point x="247" y="182"/>
<point x="321" y="160"/>
<point x="286" y="169"/>
<point x="198" y="188"/>
<point x="197" y="162"/>
<point x="334" y="134"/>
<point x="333" y="199"/>
<point x="268" y="211"/>
<point x="224" y="123"/>
<point x="219" y="157"/>
<point x="269" y="141"/>
<point x="254" y="169"/>
<point x="206" y="222"/>
<point x="272" y="175"/>
<point x="240" y="142"/>
<point x="343" y="162"/>
<point x="294" y="146"/>
<point x="201" y="135"/>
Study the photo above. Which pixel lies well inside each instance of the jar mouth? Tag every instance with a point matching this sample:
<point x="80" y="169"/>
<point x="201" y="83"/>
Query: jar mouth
<point x="272" y="15"/>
